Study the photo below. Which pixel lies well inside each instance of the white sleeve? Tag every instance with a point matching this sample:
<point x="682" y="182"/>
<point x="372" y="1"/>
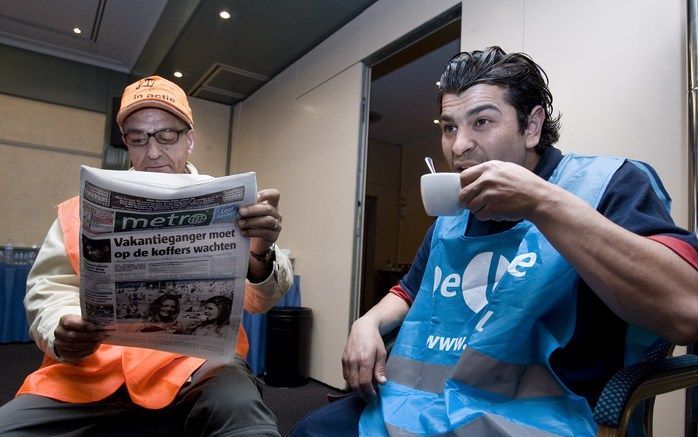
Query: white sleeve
<point x="262" y="296"/>
<point x="53" y="290"/>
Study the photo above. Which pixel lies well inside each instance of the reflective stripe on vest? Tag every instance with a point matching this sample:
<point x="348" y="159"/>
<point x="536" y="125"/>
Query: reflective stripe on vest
<point x="153" y="378"/>
<point x="472" y="355"/>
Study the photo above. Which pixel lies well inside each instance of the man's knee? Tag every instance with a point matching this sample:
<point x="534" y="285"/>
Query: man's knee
<point x="7" y="425"/>
<point x="232" y="410"/>
<point x="36" y="415"/>
<point x="340" y="418"/>
<point x="230" y="387"/>
<point x="228" y="399"/>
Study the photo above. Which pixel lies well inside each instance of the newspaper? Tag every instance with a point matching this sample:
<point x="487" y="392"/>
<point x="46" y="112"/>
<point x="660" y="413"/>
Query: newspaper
<point x="162" y="260"/>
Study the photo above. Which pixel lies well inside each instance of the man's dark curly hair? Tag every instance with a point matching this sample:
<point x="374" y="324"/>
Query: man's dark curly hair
<point x="525" y="81"/>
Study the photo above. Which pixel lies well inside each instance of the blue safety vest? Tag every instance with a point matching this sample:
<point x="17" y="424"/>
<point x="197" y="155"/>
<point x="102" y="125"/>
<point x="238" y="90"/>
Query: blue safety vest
<point x="472" y="355"/>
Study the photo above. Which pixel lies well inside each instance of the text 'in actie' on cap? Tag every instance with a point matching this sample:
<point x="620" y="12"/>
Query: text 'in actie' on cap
<point x="155" y="92"/>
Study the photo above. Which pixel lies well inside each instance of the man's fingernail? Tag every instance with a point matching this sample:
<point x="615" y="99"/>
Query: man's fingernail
<point x="241" y="222"/>
<point x="243" y="210"/>
<point x="382" y="379"/>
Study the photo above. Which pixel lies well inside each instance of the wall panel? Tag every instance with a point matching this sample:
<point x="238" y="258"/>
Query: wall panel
<point x="42" y="146"/>
<point x="211" y="121"/>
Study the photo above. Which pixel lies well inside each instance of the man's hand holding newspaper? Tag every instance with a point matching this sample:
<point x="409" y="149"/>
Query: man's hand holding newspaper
<point x="163" y="262"/>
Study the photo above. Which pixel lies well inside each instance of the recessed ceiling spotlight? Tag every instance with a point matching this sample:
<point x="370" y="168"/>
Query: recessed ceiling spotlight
<point x="177" y="74"/>
<point x="77" y="30"/>
<point x="436" y="121"/>
<point x="224" y="15"/>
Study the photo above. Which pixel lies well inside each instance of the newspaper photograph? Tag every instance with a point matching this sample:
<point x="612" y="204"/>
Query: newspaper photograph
<point x="162" y="260"/>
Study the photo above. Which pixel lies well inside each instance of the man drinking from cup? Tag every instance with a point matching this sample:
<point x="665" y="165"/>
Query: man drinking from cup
<point x="517" y="310"/>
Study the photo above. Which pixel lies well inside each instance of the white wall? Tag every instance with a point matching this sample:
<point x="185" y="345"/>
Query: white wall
<point x="618" y="75"/>
<point x="307" y="149"/>
<point x="300" y="132"/>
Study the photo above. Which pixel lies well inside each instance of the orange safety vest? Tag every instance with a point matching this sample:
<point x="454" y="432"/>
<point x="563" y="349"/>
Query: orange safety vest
<point x="153" y="378"/>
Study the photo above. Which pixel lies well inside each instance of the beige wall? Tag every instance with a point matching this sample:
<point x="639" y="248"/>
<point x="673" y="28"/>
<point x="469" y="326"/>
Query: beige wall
<point x="300" y="132"/>
<point x="42" y="146"/>
<point x="211" y="121"/>
<point x="618" y="74"/>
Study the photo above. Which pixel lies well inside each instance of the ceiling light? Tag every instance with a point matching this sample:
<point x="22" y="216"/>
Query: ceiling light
<point x="77" y="30"/>
<point x="436" y="121"/>
<point x="224" y="15"/>
<point x="177" y="74"/>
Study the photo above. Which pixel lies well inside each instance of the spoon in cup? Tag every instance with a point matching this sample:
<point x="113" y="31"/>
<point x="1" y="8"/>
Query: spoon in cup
<point x="430" y="164"/>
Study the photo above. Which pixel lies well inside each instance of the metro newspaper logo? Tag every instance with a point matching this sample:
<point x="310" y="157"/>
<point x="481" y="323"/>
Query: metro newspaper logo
<point x="126" y="222"/>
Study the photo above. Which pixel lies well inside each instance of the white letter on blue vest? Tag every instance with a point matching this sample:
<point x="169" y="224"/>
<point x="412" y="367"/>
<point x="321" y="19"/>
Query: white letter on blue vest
<point x="452" y="280"/>
<point x="524" y="260"/>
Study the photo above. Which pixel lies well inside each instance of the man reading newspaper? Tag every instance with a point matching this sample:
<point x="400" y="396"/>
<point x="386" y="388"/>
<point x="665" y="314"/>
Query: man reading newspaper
<point x="156" y="249"/>
<point x="83" y="382"/>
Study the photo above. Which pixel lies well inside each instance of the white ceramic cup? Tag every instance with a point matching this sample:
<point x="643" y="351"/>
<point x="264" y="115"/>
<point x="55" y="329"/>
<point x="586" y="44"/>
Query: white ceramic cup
<point x="440" y="193"/>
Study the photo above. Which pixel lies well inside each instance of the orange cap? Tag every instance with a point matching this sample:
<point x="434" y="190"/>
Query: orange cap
<point x="155" y="92"/>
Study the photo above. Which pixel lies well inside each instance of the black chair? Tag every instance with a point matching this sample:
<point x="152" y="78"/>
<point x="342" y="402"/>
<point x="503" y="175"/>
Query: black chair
<point x="656" y="374"/>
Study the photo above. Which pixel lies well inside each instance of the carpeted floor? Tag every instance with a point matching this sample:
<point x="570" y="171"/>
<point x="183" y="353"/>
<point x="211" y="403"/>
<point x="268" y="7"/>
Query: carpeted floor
<point x="288" y="404"/>
<point x="291" y="404"/>
<point x="19" y="359"/>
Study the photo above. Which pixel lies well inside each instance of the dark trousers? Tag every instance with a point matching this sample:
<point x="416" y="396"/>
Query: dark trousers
<point x="337" y="419"/>
<point x="220" y="400"/>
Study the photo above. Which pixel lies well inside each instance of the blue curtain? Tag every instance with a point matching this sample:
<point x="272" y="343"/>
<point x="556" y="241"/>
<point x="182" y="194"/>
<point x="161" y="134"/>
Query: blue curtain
<point x="13" y="320"/>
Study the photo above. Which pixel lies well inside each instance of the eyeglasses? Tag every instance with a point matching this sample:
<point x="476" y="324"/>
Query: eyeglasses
<point x="164" y="137"/>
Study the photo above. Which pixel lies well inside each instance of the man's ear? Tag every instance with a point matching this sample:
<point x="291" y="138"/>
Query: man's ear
<point x="190" y="139"/>
<point x="534" y="127"/>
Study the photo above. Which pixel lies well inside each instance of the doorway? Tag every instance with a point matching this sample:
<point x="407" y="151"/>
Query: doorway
<point x="400" y="133"/>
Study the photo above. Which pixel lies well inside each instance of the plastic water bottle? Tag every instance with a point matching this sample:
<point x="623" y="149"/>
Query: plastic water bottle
<point x="8" y="253"/>
<point x="32" y="254"/>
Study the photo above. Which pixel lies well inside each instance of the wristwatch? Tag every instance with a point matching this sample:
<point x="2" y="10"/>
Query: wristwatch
<point x="267" y="256"/>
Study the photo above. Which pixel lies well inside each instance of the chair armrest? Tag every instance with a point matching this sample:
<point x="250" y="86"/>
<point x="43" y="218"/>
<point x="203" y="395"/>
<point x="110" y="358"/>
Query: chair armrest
<point x="631" y="385"/>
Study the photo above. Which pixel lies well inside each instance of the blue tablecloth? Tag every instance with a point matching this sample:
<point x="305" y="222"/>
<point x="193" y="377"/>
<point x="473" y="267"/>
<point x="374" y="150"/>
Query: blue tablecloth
<point x="13" y="321"/>
<point x="256" y="327"/>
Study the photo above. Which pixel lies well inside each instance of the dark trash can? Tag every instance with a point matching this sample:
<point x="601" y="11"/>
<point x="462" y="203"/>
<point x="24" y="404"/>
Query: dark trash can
<point x="288" y="346"/>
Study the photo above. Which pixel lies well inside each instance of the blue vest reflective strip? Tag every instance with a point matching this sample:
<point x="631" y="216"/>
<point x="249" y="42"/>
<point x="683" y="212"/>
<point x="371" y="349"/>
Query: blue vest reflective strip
<point x="472" y="355"/>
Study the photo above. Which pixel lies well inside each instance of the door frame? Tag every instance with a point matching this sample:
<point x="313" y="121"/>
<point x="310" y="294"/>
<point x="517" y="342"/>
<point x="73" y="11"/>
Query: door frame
<point x="420" y="32"/>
